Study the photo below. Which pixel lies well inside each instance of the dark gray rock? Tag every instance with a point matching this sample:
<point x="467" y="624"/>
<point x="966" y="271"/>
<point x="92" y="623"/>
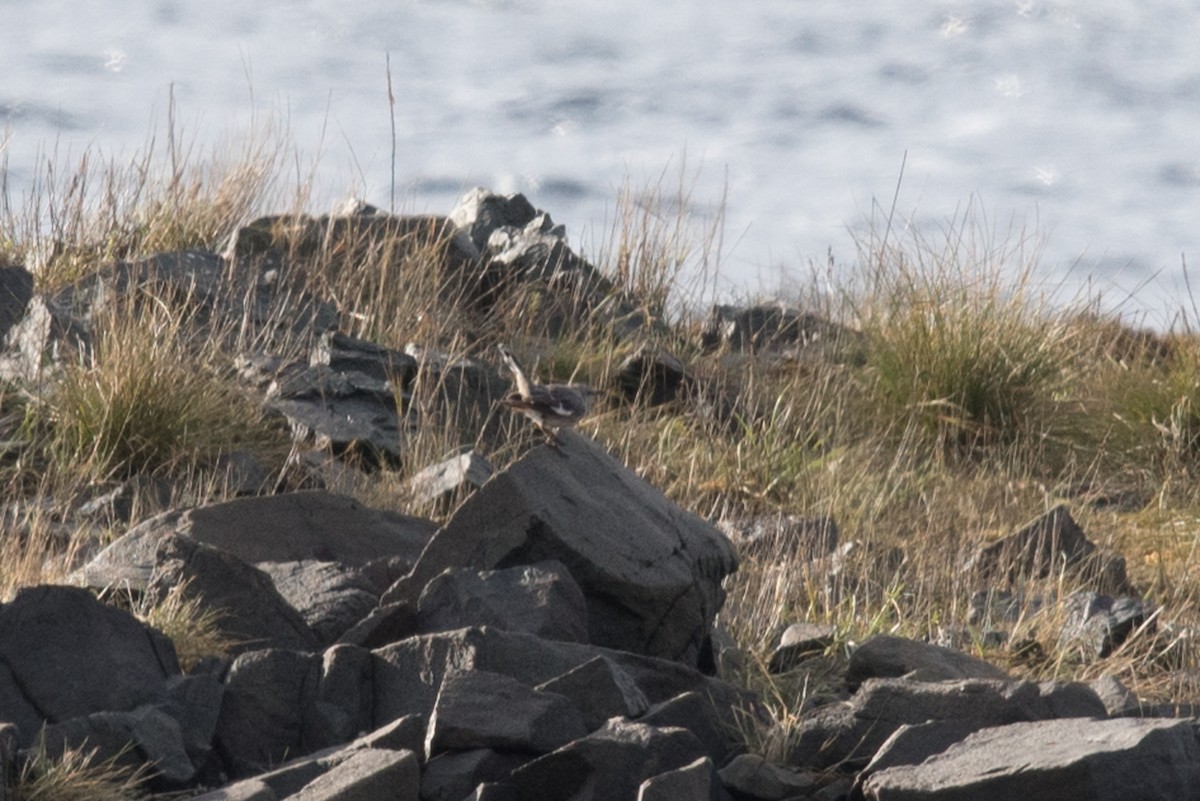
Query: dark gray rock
<point x="477" y="709"/>
<point x="343" y="705"/>
<point x="368" y="774"/>
<point x="800" y="641"/>
<point x="751" y="776"/>
<point x="267" y="698"/>
<point x="692" y="711"/>
<point x="600" y="690"/>
<point x="1118" y="699"/>
<point x="194" y="701"/>
<point x="346" y="354"/>
<point x="1048" y="544"/>
<point x="1058" y="760"/>
<point x="541" y="599"/>
<point x="63" y="655"/>
<point x="652" y="377"/>
<point x="612" y="762"/>
<point x="251" y="613"/>
<point x="16" y="290"/>
<point x="854" y="731"/>
<point x="1096" y="625"/>
<point x="382" y="626"/>
<point x="885" y="656"/>
<point x="407" y="674"/>
<point x="801" y="335"/>
<point x="291" y="527"/>
<point x="912" y="744"/>
<point x="245" y="790"/>
<point x="651" y="573"/>
<point x="406" y="733"/>
<point x="453" y="775"/>
<point x="695" y="781"/>
<point x="480" y="212"/>
<point x="143" y="735"/>
<point x="331" y="597"/>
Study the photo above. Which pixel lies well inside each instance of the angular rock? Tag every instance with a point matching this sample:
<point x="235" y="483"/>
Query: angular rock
<point x="652" y="376"/>
<point x="267" y="698"/>
<point x="751" y="776"/>
<point x="343" y="704"/>
<point x="276" y="528"/>
<point x="346" y="354"/>
<point x="194" y="701"/>
<point x="407" y="674"/>
<point x="1097" y="625"/>
<point x="251" y="613"/>
<point x="651" y="573"/>
<point x="600" y="690"/>
<point x="777" y="327"/>
<point x="800" y="641"/>
<point x="369" y="773"/>
<point x="477" y="709"/>
<point x="1057" y="760"/>
<point x="1050" y="543"/>
<point x="692" y="782"/>
<point x="63" y="655"/>
<point x="16" y="290"/>
<point x="853" y="732"/>
<point x="693" y="712"/>
<point x="612" y="762"/>
<point x="451" y="776"/>
<point x="885" y="656"/>
<point x="912" y="744"/>
<point x="143" y="735"/>
<point x="541" y="599"/>
<point x="1118" y="699"/>
<point x="464" y="472"/>
<point x="245" y="790"/>
<point x="382" y="626"/>
<point x="331" y="597"/>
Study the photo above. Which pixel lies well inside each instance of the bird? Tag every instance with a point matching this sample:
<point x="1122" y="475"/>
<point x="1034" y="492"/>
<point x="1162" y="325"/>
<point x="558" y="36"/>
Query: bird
<point x="549" y="406"/>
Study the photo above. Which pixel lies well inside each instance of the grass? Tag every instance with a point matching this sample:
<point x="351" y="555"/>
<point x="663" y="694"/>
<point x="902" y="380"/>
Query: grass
<point x="980" y="403"/>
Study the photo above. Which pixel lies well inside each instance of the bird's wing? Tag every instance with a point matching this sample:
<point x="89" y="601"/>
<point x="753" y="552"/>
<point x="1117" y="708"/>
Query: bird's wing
<point x="559" y="399"/>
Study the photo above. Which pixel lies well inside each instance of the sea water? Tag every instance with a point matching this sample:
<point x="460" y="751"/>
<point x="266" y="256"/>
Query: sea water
<point x="1071" y="126"/>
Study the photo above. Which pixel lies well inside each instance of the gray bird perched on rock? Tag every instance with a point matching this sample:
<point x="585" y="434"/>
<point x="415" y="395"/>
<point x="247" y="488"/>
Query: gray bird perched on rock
<point x="549" y="406"/>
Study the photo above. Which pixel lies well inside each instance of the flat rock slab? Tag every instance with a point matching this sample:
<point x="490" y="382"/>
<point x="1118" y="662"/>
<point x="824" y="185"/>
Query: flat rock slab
<point x="650" y="571"/>
<point x="291" y="527"/>
<point x="1055" y="760"/>
<point x="885" y="656"/>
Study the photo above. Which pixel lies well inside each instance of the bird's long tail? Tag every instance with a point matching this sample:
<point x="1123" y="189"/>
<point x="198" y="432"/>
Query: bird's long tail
<point x="518" y="373"/>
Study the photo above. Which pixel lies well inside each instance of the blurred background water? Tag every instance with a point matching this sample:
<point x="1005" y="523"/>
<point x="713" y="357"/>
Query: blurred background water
<point x="1077" y="122"/>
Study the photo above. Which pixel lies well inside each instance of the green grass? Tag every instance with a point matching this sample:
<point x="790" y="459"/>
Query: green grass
<point x="979" y="404"/>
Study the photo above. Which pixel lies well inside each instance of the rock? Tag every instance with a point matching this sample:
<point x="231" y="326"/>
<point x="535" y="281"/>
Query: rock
<point x="407" y="674"/>
<point x="143" y="735"/>
<point x="331" y="597"/>
<point x="344" y="703"/>
<point x="1062" y="760"/>
<point x="194" y="701"/>
<point x="251" y="614"/>
<point x="803" y="336"/>
<point x="800" y="641"/>
<point x="246" y="790"/>
<point x="652" y="377"/>
<point x="384" y="625"/>
<point x="66" y="655"/>
<point x="651" y="573"/>
<point x="1118" y="700"/>
<point x="1050" y="543"/>
<point x="609" y="763"/>
<point x="692" y="782"/>
<point x="16" y="290"/>
<point x="458" y="474"/>
<point x="751" y="776"/>
<point x="885" y="656"/>
<point x="451" y="776"/>
<point x="346" y="354"/>
<point x="693" y="712"/>
<point x="477" y="709"/>
<point x="853" y="732"/>
<point x="479" y="212"/>
<point x="369" y="773"/>
<point x="277" y="528"/>
<point x="267" y="698"/>
<point x="912" y="744"/>
<point x="1096" y="625"/>
<point x="600" y="690"/>
<point x="541" y="599"/>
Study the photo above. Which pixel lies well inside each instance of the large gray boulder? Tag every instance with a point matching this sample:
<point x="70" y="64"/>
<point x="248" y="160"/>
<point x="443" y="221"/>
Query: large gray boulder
<point x="651" y="572"/>
<point x="277" y="528"/>
<point x="1057" y="760"/>
<point x="64" y="655"/>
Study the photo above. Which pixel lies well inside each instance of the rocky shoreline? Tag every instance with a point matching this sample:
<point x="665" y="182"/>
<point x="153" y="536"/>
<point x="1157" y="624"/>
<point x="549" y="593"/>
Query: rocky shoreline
<point x="555" y="638"/>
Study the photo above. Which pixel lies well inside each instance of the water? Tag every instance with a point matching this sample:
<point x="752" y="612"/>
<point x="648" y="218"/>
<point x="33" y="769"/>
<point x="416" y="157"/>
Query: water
<point x="1079" y="121"/>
